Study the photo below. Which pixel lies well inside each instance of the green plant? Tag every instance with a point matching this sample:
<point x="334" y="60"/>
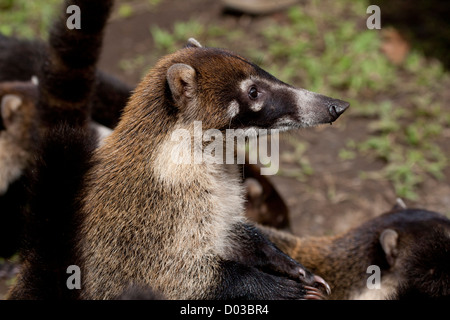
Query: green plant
<point x="27" y="19"/>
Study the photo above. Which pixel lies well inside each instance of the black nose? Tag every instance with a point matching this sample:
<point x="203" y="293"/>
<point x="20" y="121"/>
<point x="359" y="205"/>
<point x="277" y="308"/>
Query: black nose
<point x="337" y="107"/>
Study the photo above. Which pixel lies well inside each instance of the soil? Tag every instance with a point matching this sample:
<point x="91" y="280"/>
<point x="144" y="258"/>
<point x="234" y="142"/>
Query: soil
<point x="331" y="200"/>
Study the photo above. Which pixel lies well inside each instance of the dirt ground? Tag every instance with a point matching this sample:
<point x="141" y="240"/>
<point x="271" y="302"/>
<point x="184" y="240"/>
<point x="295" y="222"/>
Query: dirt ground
<point x="334" y="198"/>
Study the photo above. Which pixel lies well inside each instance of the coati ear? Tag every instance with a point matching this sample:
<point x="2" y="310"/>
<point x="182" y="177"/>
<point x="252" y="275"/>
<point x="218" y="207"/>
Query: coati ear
<point x="192" y="43"/>
<point x="399" y="205"/>
<point x="182" y="82"/>
<point x="388" y="240"/>
<point x="9" y="105"/>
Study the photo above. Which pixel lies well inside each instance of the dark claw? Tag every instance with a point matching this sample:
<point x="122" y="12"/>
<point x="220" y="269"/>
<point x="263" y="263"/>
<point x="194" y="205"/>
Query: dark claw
<point x="314" y="294"/>
<point x="323" y="283"/>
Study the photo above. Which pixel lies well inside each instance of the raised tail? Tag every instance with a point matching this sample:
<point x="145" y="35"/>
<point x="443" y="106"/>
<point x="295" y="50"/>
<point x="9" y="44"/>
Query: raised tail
<point x="63" y="154"/>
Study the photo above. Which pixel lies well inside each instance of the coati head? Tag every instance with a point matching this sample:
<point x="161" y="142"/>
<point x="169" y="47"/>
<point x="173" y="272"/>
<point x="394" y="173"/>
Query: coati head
<point x="226" y="91"/>
<point x="417" y="249"/>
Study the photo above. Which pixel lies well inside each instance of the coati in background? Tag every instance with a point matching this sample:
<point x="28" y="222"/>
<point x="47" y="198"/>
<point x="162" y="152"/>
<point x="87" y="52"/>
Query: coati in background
<point x="264" y="205"/>
<point x="179" y="228"/>
<point x="63" y="148"/>
<point x="427" y="269"/>
<point x="21" y="59"/>
<point x="410" y="246"/>
<point x="17" y="108"/>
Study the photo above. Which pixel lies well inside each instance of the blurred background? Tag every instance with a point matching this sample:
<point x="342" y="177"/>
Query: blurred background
<point x="392" y="142"/>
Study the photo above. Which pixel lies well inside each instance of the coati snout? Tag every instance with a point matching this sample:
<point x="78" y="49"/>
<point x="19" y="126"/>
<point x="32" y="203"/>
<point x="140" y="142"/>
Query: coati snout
<point x="236" y="93"/>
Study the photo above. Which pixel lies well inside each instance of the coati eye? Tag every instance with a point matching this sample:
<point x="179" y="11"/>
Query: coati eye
<point x="253" y="93"/>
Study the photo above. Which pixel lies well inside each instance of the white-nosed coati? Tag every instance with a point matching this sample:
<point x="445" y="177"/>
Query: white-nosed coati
<point x="62" y="151"/>
<point x="179" y="228"/>
<point x="143" y="219"/>
<point x="410" y="246"/>
<point x="263" y="203"/>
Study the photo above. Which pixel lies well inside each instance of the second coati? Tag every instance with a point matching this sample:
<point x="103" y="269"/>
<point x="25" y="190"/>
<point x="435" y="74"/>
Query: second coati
<point x="20" y="59"/>
<point x="61" y="153"/>
<point x="180" y="228"/>
<point x="264" y="205"/>
<point x="410" y="246"/>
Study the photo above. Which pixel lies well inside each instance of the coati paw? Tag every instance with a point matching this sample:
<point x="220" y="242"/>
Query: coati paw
<point x="287" y="289"/>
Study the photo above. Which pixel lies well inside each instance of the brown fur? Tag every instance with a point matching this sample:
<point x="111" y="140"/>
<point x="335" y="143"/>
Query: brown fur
<point x="148" y="221"/>
<point x="342" y="260"/>
<point x="264" y="205"/>
<point x="62" y="152"/>
<point x="16" y="139"/>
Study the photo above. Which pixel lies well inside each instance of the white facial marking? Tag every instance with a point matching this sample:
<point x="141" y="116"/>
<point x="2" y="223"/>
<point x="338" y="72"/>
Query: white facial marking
<point x="286" y="123"/>
<point x="256" y="106"/>
<point x="233" y="109"/>
<point x="244" y="86"/>
<point x="306" y="103"/>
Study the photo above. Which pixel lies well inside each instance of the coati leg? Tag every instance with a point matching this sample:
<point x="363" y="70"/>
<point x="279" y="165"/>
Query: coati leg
<point x="410" y="246"/>
<point x="63" y="153"/>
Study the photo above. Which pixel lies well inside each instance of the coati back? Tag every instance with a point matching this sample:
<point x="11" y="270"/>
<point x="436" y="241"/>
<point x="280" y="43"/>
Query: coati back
<point x="63" y="151"/>
<point x="179" y="228"/>
<point x="410" y="246"/>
